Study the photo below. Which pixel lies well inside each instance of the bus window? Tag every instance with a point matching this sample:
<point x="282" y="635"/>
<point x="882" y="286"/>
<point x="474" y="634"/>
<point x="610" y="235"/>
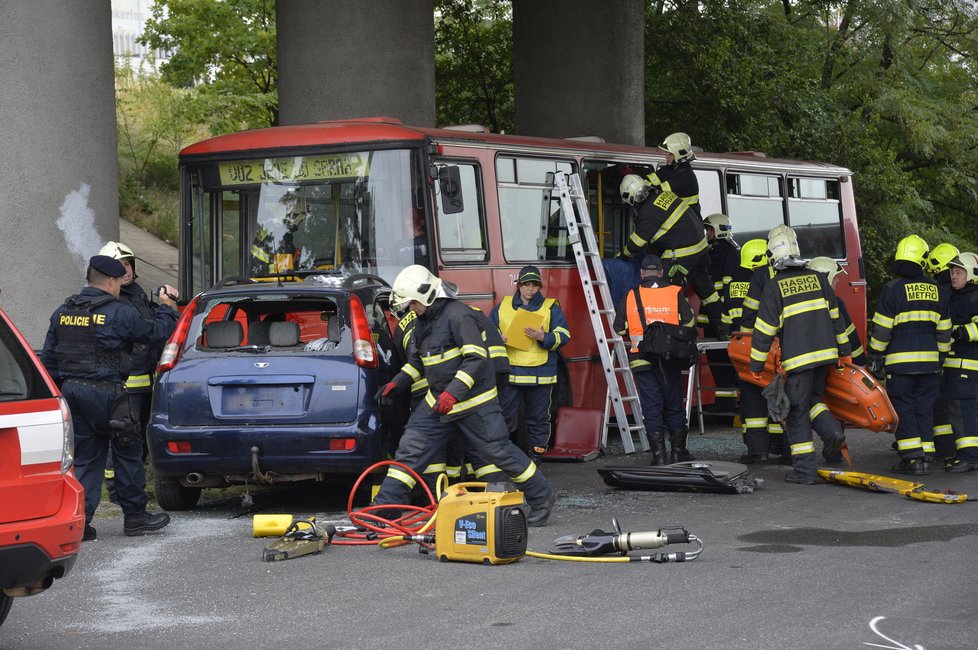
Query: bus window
<point x="231" y="207"/>
<point x="710" y="191"/>
<point x="610" y="217"/>
<point x="815" y="212"/>
<point x="203" y="207"/>
<point x="461" y="235"/>
<point x="755" y="204"/>
<point x="531" y="222"/>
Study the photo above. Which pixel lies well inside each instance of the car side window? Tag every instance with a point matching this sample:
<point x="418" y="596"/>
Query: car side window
<point x="17" y="375"/>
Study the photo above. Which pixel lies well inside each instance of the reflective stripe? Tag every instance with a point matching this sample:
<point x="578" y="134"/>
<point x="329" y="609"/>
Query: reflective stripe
<point x="686" y="251"/>
<point x="969" y="441"/>
<point x="804" y="307"/>
<point x="409" y="370"/>
<point x="497" y="351"/>
<point x="912" y="357"/>
<point x="453" y="471"/>
<point x="917" y="316"/>
<point x="812" y="358"/>
<point x="138" y="381"/>
<point x="526" y="475"/>
<point x="710" y="299"/>
<point x="434" y="468"/>
<point x="817" y="409"/>
<point x="775" y="429"/>
<point x="486" y="469"/>
<point x="800" y="448"/>
<point x="765" y="328"/>
<point x="725" y="393"/>
<point x="402" y="476"/>
<point x="477" y="350"/>
<point x="260" y="254"/>
<point x="109" y="473"/>
<point x="755" y="423"/>
<point x="671" y="220"/>
<point x="943" y="430"/>
<point x="752" y="303"/>
<point x="447" y="355"/>
<point x="465" y="378"/>
<point x="928" y="446"/>
<point x="464" y="405"/>
<point x="882" y="321"/>
<point x="419" y="385"/>
<point x="908" y="444"/>
<point x="964" y="364"/>
<point x="532" y="380"/>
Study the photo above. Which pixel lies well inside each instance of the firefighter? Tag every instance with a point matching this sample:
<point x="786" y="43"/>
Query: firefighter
<point x="448" y="346"/>
<point x="911" y="337"/>
<point x="961" y="365"/>
<point x="677" y="174"/>
<point x="659" y="381"/>
<point x="753" y="407"/>
<point x="665" y="223"/>
<point x="139" y="384"/>
<point x="799" y="306"/>
<point x="724" y="256"/>
<point x="87" y="350"/>
<point x="533" y="372"/>
<point x="937" y="266"/>
<point x="833" y="270"/>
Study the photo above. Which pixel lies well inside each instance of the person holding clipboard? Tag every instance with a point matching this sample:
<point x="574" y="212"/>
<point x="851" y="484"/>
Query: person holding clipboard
<point x="533" y="328"/>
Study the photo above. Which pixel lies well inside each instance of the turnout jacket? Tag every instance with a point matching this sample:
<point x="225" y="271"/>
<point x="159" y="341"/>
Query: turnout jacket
<point x="724" y="263"/>
<point x="447" y="347"/>
<point x="799" y="305"/>
<point x="662" y="301"/>
<point x="964" y="321"/>
<point x="144" y="356"/>
<point x="667" y="223"/>
<point x="858" y="352"/>
<point x="734" y="295"/>
<point x="752" y="303"/>
<point x="679" y="178"/>
<point x="911" y="326"/>
<point x="538" y="365"/>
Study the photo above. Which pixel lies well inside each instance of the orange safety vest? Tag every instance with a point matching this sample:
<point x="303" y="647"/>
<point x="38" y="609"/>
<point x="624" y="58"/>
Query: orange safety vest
<point x="659" y="303"/>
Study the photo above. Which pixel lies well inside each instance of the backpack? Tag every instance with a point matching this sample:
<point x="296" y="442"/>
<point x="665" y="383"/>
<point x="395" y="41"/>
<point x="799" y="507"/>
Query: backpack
<point x="672" y="345"/>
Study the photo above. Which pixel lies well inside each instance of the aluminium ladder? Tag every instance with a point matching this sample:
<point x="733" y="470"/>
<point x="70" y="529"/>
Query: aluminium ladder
<point x="611" y="346"/>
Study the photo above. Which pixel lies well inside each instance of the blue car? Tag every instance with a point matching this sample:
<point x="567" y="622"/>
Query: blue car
<point x="273" y="381"/>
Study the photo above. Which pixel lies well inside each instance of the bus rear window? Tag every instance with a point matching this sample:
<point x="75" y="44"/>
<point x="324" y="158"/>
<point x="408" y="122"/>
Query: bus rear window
<point x="754" y="204"/>
<point x="815" y="212"/>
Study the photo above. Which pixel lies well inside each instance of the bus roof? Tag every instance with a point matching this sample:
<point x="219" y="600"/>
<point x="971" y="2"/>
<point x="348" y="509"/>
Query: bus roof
<point x="379" y="129"/>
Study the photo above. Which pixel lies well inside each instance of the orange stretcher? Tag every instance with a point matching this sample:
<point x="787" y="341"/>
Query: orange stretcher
<point x="851" y="393"/>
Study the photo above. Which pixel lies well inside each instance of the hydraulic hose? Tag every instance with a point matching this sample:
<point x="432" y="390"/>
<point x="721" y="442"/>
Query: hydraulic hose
<point x="657" y="558"/>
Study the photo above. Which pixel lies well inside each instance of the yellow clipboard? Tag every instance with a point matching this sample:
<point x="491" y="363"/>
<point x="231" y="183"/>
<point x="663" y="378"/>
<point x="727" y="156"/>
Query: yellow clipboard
<point x="515" y="338"/>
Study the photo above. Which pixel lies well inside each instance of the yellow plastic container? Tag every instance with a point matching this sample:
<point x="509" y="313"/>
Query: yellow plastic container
<point x="273" y="525"/>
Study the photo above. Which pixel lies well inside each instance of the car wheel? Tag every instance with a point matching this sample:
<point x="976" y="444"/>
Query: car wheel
<point x="173" y="496"/>
<point x="5" y="603"/>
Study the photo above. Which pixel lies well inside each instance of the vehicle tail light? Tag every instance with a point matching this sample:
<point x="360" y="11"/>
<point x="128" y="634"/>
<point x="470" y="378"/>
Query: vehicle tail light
<point x="178" y="446"/>
<point x="364" y="350"/>
<point x="68" y="444"/>
<point x="171" y="352"/>
<point x="342" y="444"/>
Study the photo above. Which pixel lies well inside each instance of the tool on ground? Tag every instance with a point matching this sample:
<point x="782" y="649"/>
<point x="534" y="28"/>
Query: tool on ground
<point x="481" y="522"/>
<point x="909" y="489"/>
<point x="691" y="476"/>
<point x="299" y="540"/>
<point x="276" y="525"/>
<point x="588" y="548"/>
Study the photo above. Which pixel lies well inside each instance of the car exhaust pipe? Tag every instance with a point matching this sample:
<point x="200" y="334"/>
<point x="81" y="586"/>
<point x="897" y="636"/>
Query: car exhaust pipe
<point x="193" y="478"/>
<point x="31" y="589"/>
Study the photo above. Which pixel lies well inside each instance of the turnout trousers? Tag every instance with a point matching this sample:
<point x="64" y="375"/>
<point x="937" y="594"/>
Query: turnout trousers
<point x="913" y="398"/>
<point x="426" y="439"/>
<point x="753" y="413"/>
<point x="801" y="386"/>
<point x="962" y="406"/>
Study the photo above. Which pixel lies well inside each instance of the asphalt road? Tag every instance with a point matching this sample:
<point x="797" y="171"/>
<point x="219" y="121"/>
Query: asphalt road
<point x="788" y="566"/>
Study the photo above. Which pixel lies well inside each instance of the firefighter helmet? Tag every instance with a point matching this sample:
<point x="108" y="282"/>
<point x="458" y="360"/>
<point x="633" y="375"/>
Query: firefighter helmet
<point x="753" y="254"/>
<point x="939" y="257"/>
<point x="782" y="243"/>
<point x="826" y="265"/>
<point x="633" y="189"/>
<point x="415" y="282"/>
<point x="720" y="224"/>
<point x="679" y="145"/>
<point x="119" y="251"/>
<point x="969" y="262"/>
<point x="912" y="248"/>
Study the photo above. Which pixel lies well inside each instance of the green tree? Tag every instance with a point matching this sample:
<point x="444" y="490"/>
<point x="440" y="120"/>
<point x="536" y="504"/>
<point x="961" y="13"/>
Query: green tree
<point x="226" y="50"/>
<point x="474" y="63"/>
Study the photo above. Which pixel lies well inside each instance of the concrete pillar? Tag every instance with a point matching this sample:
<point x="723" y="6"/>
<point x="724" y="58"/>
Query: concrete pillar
<point x="356" y="58"/>
<point x="579" y="69"/>
<point x="59" y="200"/>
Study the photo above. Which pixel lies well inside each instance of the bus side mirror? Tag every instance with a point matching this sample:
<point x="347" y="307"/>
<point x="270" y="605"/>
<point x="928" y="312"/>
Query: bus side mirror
<point x="450" y="186"/>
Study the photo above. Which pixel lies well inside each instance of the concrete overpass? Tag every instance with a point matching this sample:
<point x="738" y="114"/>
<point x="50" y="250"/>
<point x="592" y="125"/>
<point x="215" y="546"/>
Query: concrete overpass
<point x="578" y="69"/>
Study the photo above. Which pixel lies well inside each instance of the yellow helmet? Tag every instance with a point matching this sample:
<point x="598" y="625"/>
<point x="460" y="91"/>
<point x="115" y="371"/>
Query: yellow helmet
<point x="912" y="248"/>
<point x="679" y="145"/>
<point x="720" y="224"/>
<point x="414" y="282"/>
<point x="753" y="254"/>
<point x="969" y="262"/>
<point x="782" y="242"/>
<point x="940" y="256"/>
<point x="826" y="265"/>
<point x="634" y="189"/>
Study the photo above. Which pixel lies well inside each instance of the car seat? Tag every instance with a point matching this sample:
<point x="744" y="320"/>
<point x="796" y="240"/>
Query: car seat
<point x="284" y="334"/>
<point x="258" y="332"/>
<point x="223" y="334"/>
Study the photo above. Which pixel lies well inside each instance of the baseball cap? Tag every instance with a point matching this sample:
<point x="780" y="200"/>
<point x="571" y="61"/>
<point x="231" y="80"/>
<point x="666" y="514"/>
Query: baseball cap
<point x="651" y="262"/>
<point x="107" y="266"/>
<point x="529" y="273"/>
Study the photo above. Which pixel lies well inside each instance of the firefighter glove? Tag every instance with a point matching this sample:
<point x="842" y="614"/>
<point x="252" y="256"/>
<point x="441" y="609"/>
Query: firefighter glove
<point x="959" y="333"/>
<point x="386" y="390"/>
<point x="446" y="402"/>
<point x="876" y="368"/>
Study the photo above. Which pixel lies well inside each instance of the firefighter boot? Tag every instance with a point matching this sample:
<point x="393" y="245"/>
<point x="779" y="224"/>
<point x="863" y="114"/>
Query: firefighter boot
<point x="677" y="449"/>
<point x="658" y="442"/>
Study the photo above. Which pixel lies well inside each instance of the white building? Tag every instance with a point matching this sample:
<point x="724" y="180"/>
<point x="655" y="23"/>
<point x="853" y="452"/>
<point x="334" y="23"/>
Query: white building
<point x="128" y="18"/>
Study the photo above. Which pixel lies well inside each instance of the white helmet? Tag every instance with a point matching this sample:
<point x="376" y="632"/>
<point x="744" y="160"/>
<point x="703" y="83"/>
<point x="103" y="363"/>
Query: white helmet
<point x="679" y="145"/>
<point x="415" y="282"/>
<point x="119" y="251"/>
<point x="826" y="265"/>
<point x="720" y="224"/>
<point x="782" y="243"/>
<point x="634" y="189"/>
<point x="969" y="262"/>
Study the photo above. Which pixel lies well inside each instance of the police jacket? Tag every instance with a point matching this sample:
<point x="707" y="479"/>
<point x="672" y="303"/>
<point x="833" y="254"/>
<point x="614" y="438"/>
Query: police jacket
<point x="667" y="223"/>
<point x="799" y="306"/>
<point x="447" y="347"/>
<point x="680" y="179"/>
<point x="91" y="336"/>
<point x="964" y="320"/>
<point x="661" y="301"/>
<point x="911" y="326"/>
<point x="734" y="294"/>
<point x="538" y="365"/>
<point x="144" y="357"/>
<point x="752" y="303"/>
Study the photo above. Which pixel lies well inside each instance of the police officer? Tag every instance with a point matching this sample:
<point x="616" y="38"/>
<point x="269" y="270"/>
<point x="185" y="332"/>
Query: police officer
<point x="937" y="266"/>
<point x="139" y="383"/>
<point x="87" y="350"/>
<point x="911" y="337"/>
<point x="448" y="346"/>
<point x="799" y="306"/>
<point x="961" y="365"/>
<point x="665" y="222"/>
<point x="659" y="382"/>
<point x="533" y="372"/>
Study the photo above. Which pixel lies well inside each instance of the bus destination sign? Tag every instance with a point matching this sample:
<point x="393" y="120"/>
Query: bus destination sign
<point x="294" y="169"/>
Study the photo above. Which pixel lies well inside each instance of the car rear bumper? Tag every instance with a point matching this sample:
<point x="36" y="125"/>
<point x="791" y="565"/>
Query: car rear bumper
<point x="34" y="550"/>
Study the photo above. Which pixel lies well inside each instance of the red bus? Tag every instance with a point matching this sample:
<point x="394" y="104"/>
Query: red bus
<point x="373" y="195"/>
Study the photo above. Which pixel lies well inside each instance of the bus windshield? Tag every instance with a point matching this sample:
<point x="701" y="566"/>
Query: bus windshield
<point x="351" y="212"/>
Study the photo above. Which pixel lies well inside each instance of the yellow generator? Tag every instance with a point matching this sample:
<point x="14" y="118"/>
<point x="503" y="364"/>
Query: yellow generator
<point x="481" y="522"/>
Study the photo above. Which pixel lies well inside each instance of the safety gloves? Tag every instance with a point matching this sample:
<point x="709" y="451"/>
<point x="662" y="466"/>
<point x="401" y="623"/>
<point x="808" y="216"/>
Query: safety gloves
<point x="446" y="401"/>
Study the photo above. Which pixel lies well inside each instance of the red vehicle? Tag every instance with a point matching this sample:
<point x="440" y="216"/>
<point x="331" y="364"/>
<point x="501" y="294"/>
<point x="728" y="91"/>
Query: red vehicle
<point x="42" y="504"/>
<point x="372" y="196"/>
